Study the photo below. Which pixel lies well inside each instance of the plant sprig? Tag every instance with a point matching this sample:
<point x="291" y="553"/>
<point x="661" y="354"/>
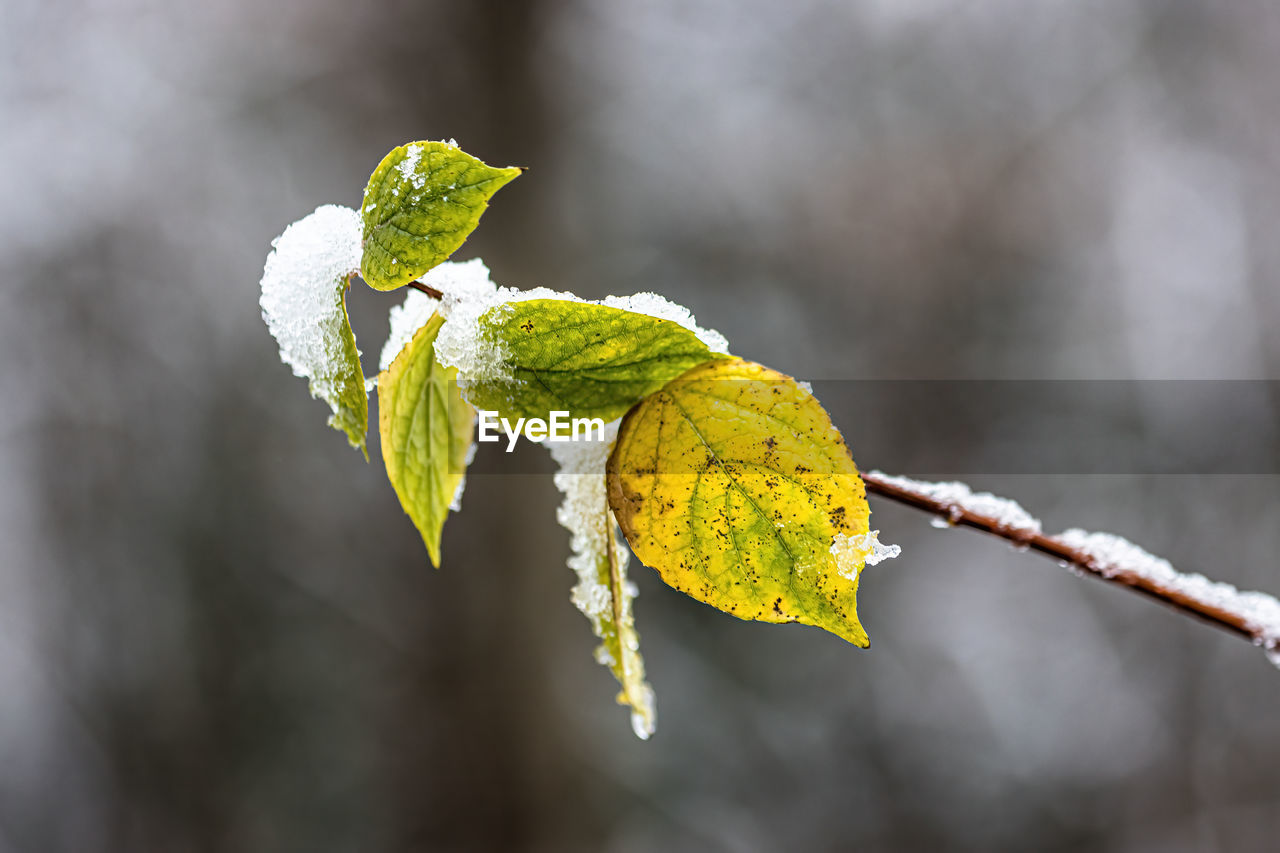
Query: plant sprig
<point x="726" y="477"/>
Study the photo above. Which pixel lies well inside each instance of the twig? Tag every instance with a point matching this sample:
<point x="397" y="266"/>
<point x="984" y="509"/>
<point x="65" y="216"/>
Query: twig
<point x="956" y="513"/>
<point x="427" y="289"/>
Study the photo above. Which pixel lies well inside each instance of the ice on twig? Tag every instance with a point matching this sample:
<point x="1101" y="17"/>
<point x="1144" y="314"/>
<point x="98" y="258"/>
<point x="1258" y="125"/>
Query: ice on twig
<point x="959" y="498"/>
<point x="1113" y="555"/>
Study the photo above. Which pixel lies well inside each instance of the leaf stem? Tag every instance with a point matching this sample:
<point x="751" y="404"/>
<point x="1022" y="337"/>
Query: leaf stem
<point x="1050" y="546"/>
<point x="427" y="289"/>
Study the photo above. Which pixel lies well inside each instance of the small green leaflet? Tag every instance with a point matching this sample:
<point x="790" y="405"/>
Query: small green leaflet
<point x="733" y="484"/>
<point x="592" y="361"/>
<point x="420" y="205"/>
<point x="426" y="429"/>
<point x="304" y="293"/>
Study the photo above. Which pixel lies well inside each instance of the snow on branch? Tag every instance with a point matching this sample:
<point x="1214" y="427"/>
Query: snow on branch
<point x="1253" y="615"/>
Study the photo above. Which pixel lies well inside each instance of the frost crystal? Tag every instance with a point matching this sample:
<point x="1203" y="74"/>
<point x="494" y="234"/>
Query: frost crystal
<point x="1113" y="555"/>
<point x="302" y="286"/>
<point x="585" y="513"/>
<point x="1006" y="513"/>
<point x="852" y="553"/>
<point x="408" y="167"/>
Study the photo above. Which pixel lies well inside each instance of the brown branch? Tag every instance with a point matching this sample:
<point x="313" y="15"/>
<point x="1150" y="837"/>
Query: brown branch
<point x="1050" y="546"/>
<point x="427" y="289"/>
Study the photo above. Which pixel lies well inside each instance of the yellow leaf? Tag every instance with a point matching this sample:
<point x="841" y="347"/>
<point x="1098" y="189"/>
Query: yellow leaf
<point x="732" y="482"/>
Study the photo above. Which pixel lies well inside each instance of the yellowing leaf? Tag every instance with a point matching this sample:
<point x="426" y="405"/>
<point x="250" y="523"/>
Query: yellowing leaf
<point x="304" y="303"/>
<point x="586" y="359"/>
<point x="426" y="430"/>
<point x="733" y="484"/>
<point x="602" y="593"/>
<point x="420" y="205"/>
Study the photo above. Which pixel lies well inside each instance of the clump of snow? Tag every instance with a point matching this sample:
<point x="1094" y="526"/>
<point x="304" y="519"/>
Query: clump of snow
<point x="463" y="344"/>
<point x="852" y="553"/>
<point x="959" y="499"/>
<point x="409" y="165"/>
<point x="1113" y="555"/>
<point x="303" y="283"/>
<point x="664" y="309"/>
<point x="406" y="319"/>
<point x="805" y="387"/>
<point x="459" y="282"/>
<point x="585" y="513"/>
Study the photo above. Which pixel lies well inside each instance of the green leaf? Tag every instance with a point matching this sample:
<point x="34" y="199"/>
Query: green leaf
<point x="602" y="593"/>
<point x="426" y="430"/>
<point x="420" y="205"/>
<point x="351" y="412"/>
<point x="304" y="303"/>
<point x="589" y="360"/>
<point x="733" y="484"/>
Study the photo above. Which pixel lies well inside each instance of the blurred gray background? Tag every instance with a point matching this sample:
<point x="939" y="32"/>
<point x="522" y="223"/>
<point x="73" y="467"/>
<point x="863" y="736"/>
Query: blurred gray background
<point x="218" y="631"/>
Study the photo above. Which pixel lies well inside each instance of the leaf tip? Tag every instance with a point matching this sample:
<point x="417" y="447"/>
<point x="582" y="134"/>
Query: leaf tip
<point x="353" y="424"/>
<point x="433" y="553"/>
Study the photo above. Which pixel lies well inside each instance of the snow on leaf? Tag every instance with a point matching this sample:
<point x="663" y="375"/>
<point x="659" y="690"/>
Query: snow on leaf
<point x="852" y="553"/>
<point x="420" y="205"/>
<point x="304" y="285"/>
<point x="426" y="429"/>
<point x="589" y="360"/>
<point x="732" y="482"/>
<point x="602" y="593"/>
